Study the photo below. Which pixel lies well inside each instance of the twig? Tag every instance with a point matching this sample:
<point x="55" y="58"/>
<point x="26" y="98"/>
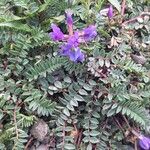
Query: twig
<point x="126" y="121"/>
<point x="135" y="133"/>
<point x="28" y="143"/>
<point x="135" y="18"/>
<point x="51" y="142"/>
<point x="117" y="122"/>
<point x="76" y="133"/>
<point x="75" y="127"/>
<point x="105" y="123"/>
<point x="79" y="138"/>
<point x="135" y="145"/>
<point x="123" y="7"/>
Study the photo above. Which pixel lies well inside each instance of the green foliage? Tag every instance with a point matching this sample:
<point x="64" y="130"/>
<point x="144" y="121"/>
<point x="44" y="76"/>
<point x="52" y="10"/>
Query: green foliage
<point x="47" y="66"/>
<point x="132" y="110"/>
<point x="95" y="104"/>
<point x="37" y="101"/>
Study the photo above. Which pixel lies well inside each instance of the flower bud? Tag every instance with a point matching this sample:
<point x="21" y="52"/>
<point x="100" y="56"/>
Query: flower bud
<point x="57" y="34"/>
<point x="110" y="12"/>
<point x="69" y="19"/>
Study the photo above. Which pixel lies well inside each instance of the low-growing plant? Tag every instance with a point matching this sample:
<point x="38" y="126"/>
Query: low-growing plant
<point x="76" y="70"/>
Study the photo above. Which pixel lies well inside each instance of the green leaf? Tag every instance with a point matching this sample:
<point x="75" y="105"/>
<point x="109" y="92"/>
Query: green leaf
<point x="70" y="107"/>
<point x="28" y="99"/>
<point x="66" y="112"/>
<point x="146" y="79"/>
<point x="87" y="87"/>
<point x="94" y="133"/>
<point x="124" y="110"/>
<point x="93" y="126"/>
<point x="1" y="115"/>
<point x="64" y="117"/>
<point x="53" y="88"/>
<point x="44" y="6"/>
<point x="83" y="92"/>
<point x="119" y="108"/>
<point x="74" y="102"/>
<point x="16" y="25"/>
<point x="2" y="146"/>
<point x="107" y="63"/>
<point x="94" y="121"/>
<point x="92" y="82"/>
<point x="101" y="62"/>
<point x="94" y="140"/>
<point x="111" y="112"/>
<point x="95" y="114"/>
<point x="86" y="139"/>
<point x="69" y="146"/>
<point x="135" y="97"/>
<point x="61" y="121"/>
<point x="89" y="147"/>
<point x="86" y="133"/>
<point x="67" y="79"/>
<point x="114" y="106"/>
<point x="116" y="4"/>
<point x="58" y="84"/>
<point x="68" y="128"/>
<point x="78" y="98"/>
<point x="106" y="106"/>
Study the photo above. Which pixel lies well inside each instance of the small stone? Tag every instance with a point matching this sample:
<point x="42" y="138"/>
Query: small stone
<point x="40" y="130"/>
<point x="139" y="59"/>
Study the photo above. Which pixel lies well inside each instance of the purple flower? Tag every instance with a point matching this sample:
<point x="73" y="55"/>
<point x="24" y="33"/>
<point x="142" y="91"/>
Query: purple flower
<point x="76" y="55"/>
<point x="71" y="43"/>
<point x="70" y="48"/>
<point x="65" y="50"/>
<point x="110" y="12"/>
<point x="73" y="40"/>
<point x="144" y="142"/>
<point x="69" y="19"/>
<point x="89" y="33"/>
<point x="57" y="34"/>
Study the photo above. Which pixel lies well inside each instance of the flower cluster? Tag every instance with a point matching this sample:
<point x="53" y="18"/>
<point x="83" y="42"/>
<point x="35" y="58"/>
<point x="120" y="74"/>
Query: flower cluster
<point x="144" y="142"/>
<point x="71" y="42"/>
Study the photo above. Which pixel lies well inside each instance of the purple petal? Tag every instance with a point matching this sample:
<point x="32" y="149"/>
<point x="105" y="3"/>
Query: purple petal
<point x="110" y="12"/>
<point x="69" y="19"/>
<point x="81" y="57"/>
<point x="57" y="34"/>
<point x="72" y="56"/>
<point x="73" y="40"/>
<point x="144" y="142"/>
<point x="89" y="33"/>
<point x="76" y="55"/>
<point x="65" y="50"/>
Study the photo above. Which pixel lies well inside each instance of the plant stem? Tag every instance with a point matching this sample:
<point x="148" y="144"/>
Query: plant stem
<point x="135" y="18"/>
<point x="135" y="145"/>
<point x="28" y="143"/>
<point x="123" y="7"/>
<point x="127" y="122"/>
